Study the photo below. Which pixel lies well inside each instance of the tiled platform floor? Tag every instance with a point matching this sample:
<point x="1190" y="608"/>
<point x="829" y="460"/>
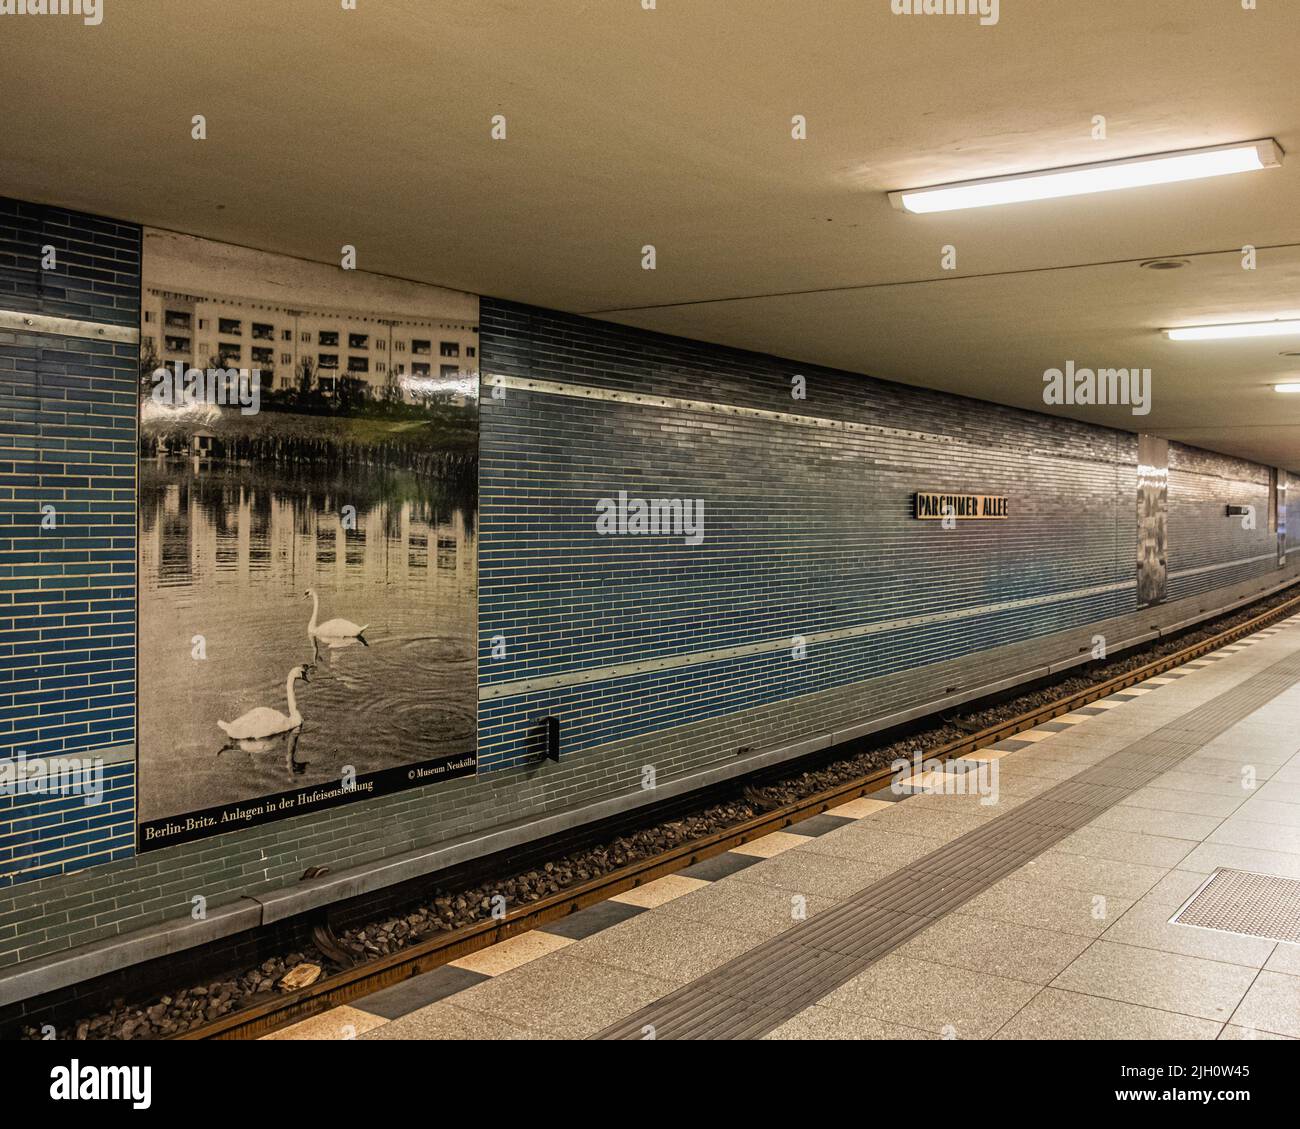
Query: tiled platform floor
<point x="1075" y="944"/>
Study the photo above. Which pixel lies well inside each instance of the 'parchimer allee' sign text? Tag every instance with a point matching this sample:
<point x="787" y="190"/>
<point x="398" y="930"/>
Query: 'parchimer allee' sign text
<point x="963" y="507"/>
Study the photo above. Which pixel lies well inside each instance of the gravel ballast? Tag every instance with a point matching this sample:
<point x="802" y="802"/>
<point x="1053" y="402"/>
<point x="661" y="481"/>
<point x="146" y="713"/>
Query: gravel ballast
<point x="445" y="910"/>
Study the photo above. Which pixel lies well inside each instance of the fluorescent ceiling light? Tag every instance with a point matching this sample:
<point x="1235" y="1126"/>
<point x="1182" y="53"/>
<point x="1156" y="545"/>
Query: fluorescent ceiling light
<point x="1238" y="329"/>
<point x="1133" y="172"/>
<point x="1286" y="388"/>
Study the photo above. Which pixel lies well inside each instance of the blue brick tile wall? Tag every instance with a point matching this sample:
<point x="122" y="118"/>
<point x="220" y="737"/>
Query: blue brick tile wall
<point x="1201" y="535"/>
<point x="45" y="832"/>
<point x="96" y="271"/>
<point x="809" y="529"/>
<point x="67" y="533"/>
<point x="807" y="533"/>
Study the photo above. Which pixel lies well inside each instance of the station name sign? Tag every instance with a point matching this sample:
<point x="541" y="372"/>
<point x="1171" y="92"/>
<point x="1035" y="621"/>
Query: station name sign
<point x="963" y="507"/>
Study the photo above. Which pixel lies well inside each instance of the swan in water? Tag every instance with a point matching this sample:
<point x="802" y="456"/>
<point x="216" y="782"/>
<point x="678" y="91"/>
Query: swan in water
<point x="263" y="724"/>
<point x="334" y="632"/>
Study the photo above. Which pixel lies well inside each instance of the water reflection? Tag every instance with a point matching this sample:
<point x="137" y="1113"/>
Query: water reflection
<point x="284" y="746"/>
<point x="228" y="554"/>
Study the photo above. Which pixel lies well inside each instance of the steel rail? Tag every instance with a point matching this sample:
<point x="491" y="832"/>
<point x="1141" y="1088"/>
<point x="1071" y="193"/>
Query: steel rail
<point x="424" y="956"/>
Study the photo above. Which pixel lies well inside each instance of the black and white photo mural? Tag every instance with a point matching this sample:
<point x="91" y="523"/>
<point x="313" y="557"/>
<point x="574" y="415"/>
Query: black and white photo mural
<point x="308" y="568"/>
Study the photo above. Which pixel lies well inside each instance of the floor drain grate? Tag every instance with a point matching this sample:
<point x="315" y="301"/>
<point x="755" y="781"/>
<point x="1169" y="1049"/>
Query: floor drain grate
<point x="1253" y="905"/>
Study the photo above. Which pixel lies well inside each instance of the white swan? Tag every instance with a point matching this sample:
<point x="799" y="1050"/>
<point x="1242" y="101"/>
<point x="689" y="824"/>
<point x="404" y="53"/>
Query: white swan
<point x="264" y="722"/>
<point x="332" y="630"/>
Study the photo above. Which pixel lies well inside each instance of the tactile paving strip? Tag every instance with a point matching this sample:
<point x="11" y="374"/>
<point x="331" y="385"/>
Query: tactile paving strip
<point x="758" y="991"/>
<point x="1238" y="901"/>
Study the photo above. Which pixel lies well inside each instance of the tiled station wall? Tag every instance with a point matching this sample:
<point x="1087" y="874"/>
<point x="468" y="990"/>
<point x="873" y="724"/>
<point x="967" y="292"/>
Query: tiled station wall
<point x="67" y="573"/>
<point x="1201" y="536"/>
<point x="808" y="533"/>
<point x="651" y="652"/>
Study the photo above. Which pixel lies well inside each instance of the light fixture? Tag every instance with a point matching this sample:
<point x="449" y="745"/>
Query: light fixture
<point x="1105" y="176"/>
<point x="1286" y="388"/>
<point x="1234" y="329"/>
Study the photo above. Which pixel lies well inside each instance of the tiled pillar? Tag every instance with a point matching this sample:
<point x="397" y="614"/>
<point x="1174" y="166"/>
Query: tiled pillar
<point x="69" y="315"/>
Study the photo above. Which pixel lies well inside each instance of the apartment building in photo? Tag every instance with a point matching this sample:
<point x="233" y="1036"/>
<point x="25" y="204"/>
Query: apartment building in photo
<point x="416" y="360"/>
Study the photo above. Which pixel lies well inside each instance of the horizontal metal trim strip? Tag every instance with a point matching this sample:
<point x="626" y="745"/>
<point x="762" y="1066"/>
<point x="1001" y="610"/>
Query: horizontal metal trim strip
<point x="766" y="646"/>
<point x="1226" y="564"/>
<point x="46" y="974"/>
<point x="677" y="403"/>
<point x="113" y="754"/>
<point x="696" y="658"/>
<point x="68" y="327"/>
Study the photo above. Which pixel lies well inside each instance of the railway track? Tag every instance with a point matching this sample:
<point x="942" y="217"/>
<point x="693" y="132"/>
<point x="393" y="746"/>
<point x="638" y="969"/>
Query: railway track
<point x="363" y="979"/>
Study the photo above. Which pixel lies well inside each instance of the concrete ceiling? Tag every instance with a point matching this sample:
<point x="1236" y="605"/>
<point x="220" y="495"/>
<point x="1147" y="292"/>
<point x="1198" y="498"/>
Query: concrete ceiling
<point x="672" y="127"/>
